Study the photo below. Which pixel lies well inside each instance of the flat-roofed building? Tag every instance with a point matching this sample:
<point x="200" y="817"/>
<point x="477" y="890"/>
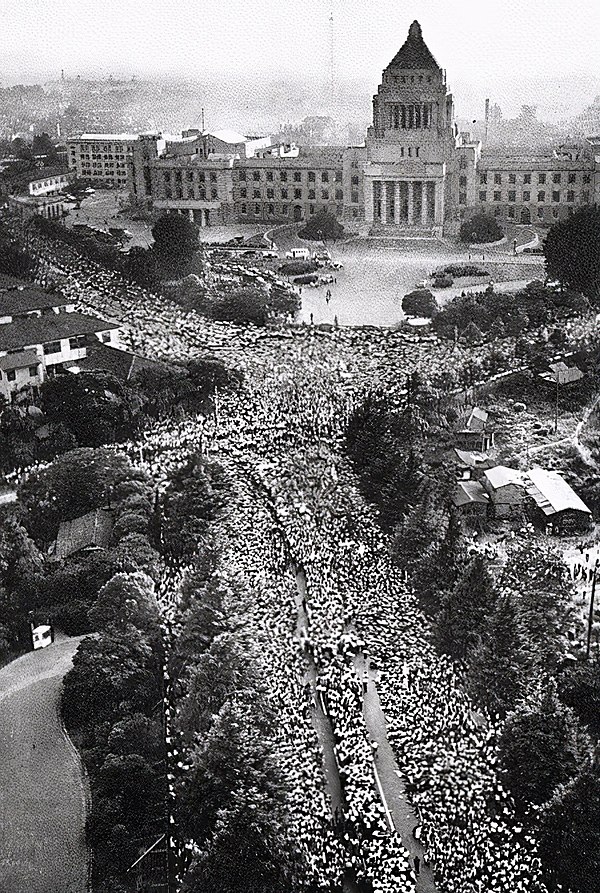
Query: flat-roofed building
<point x="415" y="175"/>
<point x="101" y="158"/>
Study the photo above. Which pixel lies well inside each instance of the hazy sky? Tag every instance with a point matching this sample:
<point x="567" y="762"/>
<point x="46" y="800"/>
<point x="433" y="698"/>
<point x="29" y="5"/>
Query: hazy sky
<point x="477" y="42"/>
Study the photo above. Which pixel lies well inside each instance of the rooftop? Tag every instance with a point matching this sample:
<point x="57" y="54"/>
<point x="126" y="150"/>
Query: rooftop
<point x="19" y="360"/>
<point x="44" y="173"/>
<point x="227" y="136"/>
<point x="50" y="327"/>
<point x="25" y="297"/>
<point x="98" y="137"/>
<point x="93" y="529"/>
<point x="477" y="419"/>
<point x="501" y="476"/>
<point x="468" y="492"/>
<point x="414" y="54"/>
<point x="120" y="363"/>
<point x="471" y="458"/>
<point x="552" y="493"/>
<point x="559" y="372"/>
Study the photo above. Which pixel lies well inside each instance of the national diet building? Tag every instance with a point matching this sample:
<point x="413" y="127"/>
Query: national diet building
<point x="415" y="174"/>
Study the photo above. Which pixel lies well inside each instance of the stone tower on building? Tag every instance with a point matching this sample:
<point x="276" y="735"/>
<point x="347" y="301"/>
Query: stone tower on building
<point x="411" y="147"/>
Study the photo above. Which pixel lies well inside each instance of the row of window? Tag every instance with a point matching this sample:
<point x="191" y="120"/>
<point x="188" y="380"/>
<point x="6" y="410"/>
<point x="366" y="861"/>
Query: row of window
<point x="312" y="193"/>
<point x="336" y="176"/>
<point x="200" y="194"/>
<point x="416" y="116"/>
<point x="269" y="209"/>
<point x="541" y="196"/>
<point x="541" y="178"/>
<point x="11" y="374"/>
<point x="407" y="79"/>
<point x="199" y="176"/>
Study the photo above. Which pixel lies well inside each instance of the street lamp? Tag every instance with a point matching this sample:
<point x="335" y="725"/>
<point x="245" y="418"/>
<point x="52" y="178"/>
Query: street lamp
<point x="591" y="612"/>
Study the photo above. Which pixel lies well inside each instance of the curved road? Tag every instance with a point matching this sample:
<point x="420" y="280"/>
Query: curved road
<point x="42" y="787"/>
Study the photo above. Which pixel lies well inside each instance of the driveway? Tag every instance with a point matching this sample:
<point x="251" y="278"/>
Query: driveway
<point x="42" y="788"/>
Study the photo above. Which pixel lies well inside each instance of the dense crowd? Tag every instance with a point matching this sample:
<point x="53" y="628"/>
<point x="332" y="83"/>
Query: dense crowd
<point x="297" y="509"/>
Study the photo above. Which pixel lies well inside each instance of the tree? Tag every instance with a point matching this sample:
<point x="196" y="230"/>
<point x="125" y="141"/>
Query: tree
<point x="113" y="675"/>
<point x="572" y="251"/>
<point x="579" y="686"/>
<point x="134" y="553"/>
<point x="126" y="599"/>
<point x="323" y="226"/>
<point x="43" y="145"/>
<point x="480" y="228"/>
<point x="94" y="406"/>
<point x="420" y="302"/>
<point x="74" y="484"/>
<point x="192" y="500"/>
<point x="141" y="265"/>
<point x="498" y="662"/>
<point x="538" y="582"/>
<point x="242" y="305"/>
<point x="464" y="611"/>
<point x="540" y="748"/>
<point x="251" y="848"/>
<point x="208" y="374"/>
<point x="569" y="834"/>
<point x="175" y="243"/>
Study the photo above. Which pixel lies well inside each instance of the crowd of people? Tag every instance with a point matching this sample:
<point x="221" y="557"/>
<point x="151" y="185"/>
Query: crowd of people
<point x="296" y="506"/>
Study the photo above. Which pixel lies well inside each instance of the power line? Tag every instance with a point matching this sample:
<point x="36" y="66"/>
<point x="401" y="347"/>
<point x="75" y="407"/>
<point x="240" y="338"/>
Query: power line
<point x="331" y="59"/>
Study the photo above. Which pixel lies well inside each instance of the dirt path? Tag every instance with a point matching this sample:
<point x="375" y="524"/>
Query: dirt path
<point x="42" y="790"/>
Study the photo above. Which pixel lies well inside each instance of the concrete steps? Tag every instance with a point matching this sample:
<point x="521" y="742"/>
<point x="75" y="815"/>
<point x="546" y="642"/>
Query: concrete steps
<point x="405" y="233"/>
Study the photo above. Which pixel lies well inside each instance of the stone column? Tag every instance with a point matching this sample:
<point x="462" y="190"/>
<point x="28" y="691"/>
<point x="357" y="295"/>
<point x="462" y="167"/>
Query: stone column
<point x="439" y="202"/>
<point x="369" y="200"/>
<point x="424" y="203"/>
<point x="410" y="202"/>
<point x="383" y="202"/>
<point x="397" y="203"/>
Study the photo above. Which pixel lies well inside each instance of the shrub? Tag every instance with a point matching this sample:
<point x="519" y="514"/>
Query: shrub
<point x="130" y="522"/>
<point x="458" y="270"/>
<point x="298" y="267"/>
<point x="480" y="228"/>
<point x="324" y="225"/>
<point x="442" y="280"/>
<point x="420" y="302"/>
<point x="244" y="305"/>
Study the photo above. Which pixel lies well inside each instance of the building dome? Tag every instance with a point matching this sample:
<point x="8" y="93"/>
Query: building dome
<point x="414" y="54"/>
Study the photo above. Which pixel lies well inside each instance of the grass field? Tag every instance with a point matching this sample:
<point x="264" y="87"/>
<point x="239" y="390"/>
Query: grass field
<point x="42" y="794"/>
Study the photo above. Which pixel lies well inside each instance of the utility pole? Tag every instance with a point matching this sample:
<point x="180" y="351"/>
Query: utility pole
<point x="331" y="61"/>
<point x="591" y="614"/>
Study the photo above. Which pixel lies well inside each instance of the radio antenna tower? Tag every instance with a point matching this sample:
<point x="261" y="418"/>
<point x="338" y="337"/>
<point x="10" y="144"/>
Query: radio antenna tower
<point x="331" y="60"/>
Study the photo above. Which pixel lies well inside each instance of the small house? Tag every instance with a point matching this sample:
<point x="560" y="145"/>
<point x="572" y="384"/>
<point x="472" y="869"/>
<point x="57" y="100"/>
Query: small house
<point x="471" y="499"/>
<point x="505" y="488"/>
<point x="88" y="532"/>
<point x="557" y="503"/>
<point x="478" y="433"/>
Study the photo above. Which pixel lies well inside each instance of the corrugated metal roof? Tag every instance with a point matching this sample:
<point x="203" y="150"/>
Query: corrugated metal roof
<point x="93" y="529"/>
<point x="552" y="493"/>
<point x="468" y="492"/>
<point x="501" y="476"/>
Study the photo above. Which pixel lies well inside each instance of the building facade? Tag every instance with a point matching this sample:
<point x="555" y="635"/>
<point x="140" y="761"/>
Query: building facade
<point x="415" y="172"/>
<point x="101" y="158"/>
<point x="40" y="332"/>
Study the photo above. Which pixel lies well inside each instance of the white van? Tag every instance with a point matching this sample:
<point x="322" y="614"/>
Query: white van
<point x="298" y="254"/>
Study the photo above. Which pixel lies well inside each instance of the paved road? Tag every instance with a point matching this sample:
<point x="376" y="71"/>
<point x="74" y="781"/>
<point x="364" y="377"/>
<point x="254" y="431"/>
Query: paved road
<point x="391" y="786"/>
<point x="42" y="793"/>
